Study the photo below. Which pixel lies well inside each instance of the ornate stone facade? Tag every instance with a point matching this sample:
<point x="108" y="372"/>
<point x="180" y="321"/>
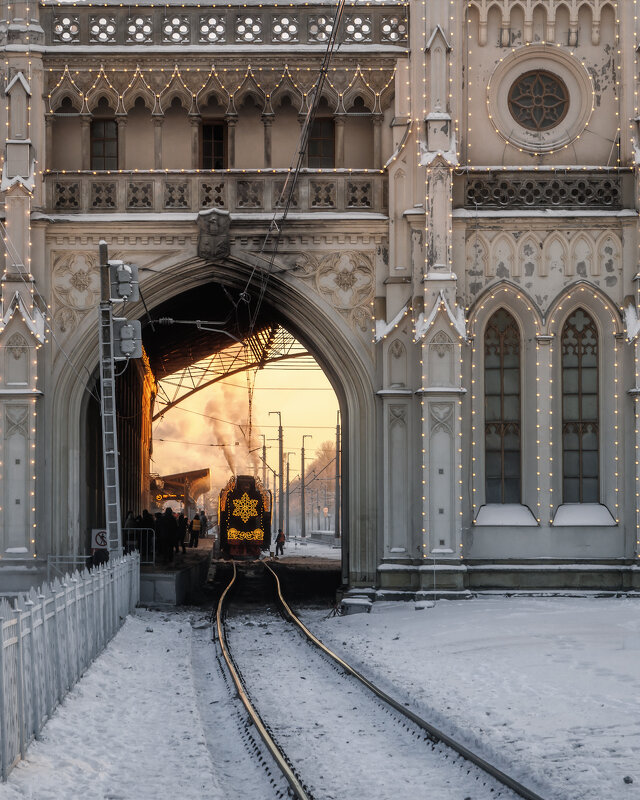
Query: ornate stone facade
<point x="482" y="163"/>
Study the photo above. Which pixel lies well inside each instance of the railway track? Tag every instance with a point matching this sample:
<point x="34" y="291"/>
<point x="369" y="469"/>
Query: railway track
<point x="409" y="750"/>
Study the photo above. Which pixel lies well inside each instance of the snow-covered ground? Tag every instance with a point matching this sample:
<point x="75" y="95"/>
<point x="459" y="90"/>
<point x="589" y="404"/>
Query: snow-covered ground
<point x="295" y="547"/>
<point x="548" y="686"/>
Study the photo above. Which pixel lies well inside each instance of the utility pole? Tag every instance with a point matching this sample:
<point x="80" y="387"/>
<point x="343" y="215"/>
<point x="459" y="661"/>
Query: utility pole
<point x="337" y="482"/>
<point x="302" y="509"/>
<point x="119" y="340"/>
<point x="286" y="502"/>
<point x="280" y="473"/>
<point x="264" y="460"/>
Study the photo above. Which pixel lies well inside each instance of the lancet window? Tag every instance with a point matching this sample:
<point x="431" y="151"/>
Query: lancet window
<point x="580" y="423"/>
<point x="502" y="409"/>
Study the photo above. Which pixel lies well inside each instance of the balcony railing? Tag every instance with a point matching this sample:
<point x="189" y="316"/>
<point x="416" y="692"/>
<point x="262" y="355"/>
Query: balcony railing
<point x="544" y="189"/>
<point x="244" y="191"/>
<point x="165" y="26"/>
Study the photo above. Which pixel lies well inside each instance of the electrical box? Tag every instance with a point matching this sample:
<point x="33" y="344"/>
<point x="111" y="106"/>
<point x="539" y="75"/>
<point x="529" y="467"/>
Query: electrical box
<point x="127" y="338"/>
<point x="124" y="282"/>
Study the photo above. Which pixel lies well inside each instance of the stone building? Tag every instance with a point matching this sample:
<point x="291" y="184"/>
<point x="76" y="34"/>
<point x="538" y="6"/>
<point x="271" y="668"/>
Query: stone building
<point x="460" y="258"/>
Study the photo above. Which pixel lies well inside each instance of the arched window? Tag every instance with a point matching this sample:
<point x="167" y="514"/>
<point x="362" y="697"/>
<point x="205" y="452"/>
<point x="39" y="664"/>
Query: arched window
<point x="580" y="425"/>
<point x="502" y="409"/>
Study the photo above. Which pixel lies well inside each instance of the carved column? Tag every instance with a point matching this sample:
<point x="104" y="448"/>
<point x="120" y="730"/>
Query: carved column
<point x="232" y="120"/>
<point x="267" y="121"/>
<point x="439" y="206"/>
<point x="122" y="141"/>
<point x="339" y="121"/>
<point x="544" y="360"/>
<point x="195" y="121"/>
<point x="48" y="141"/>
<point x="85" y="141"/>
<point x="377" y="141"/>
<point x="158" y="121"/>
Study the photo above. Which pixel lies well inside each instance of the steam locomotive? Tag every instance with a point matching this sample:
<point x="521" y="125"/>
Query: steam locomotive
<point x="244" y="517"/>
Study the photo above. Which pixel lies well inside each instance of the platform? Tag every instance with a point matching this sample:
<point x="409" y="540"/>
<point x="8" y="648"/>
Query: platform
<point x="178" y="583"/>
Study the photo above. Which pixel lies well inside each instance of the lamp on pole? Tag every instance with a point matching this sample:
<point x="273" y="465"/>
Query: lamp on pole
<point x="302" y="510"/>
<point x="280" y="473"/>
<point x="286" y="499"/>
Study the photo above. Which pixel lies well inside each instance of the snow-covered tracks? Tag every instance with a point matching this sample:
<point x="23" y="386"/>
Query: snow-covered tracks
<point x="346" y="737"/>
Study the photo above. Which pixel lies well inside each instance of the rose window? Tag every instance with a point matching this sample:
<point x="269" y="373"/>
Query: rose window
<point x="538" y="100"/>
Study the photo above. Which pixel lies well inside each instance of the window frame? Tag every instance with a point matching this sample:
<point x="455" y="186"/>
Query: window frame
<point x="332" y="139"/>
<point x="503" y="426"/>
<point x="581" y="423"/>
<point x="94" y="138"/>
<point x="213" y="123"/>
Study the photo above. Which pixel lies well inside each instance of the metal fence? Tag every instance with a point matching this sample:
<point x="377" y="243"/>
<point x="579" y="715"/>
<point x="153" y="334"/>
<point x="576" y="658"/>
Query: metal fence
<point x="49" y="638"/>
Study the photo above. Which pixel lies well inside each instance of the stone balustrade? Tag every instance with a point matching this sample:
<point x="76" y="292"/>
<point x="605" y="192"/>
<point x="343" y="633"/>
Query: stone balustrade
<point x="111" y="25"/>
<point x="236" y="191"/>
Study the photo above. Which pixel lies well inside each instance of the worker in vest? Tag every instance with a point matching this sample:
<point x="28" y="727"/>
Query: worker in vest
<point x="195" y="528"/>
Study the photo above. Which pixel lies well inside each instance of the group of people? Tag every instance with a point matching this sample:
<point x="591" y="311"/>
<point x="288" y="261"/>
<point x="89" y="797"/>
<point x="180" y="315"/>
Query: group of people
<point x="169" y="530"/>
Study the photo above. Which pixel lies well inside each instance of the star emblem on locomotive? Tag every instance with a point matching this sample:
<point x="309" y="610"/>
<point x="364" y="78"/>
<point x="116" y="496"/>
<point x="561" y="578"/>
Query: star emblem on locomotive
<point x="245" y="507"/>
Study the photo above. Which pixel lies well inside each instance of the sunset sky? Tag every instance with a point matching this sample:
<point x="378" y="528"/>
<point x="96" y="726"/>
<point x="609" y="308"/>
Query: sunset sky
<point x="183" y="439"/>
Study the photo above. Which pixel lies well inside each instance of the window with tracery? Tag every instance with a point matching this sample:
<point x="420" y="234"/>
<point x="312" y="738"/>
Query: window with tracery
<point x="538" y="100"/>
<point x="502" y="409"/>
<point x="580" y="424"/>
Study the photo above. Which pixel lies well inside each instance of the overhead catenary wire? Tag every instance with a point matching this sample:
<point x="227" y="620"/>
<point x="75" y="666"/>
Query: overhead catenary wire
<point x="277" y="225"/>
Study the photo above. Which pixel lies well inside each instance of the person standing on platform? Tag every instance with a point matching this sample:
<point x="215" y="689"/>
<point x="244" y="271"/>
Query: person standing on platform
<point x="182" y="533"/>
<point x="195" y="528"/>
<point x="204" y="523"/>
<point x="280" y="540"/>
<point x="170" y="535"/>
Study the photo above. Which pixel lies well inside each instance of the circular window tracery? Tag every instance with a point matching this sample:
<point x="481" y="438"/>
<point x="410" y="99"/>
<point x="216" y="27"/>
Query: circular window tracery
<point x="538" y="100"/>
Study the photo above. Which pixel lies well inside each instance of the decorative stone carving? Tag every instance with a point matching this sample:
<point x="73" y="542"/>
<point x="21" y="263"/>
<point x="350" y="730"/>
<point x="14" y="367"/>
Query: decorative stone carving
<point x="16" y="421"/>
<point x="17" y="346"/>
<point x="213" y="234"/>
<point x="346" y="278"/>
<point x="397" y="415"/>
<point x="441" y="417"/>
<point x="76" y="286"/>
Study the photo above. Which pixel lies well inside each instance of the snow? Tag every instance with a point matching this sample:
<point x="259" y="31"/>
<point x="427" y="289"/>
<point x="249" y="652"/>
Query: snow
<point x="295" y="547"/>
<point x="505" y="514"/>
<point x="583" y="514"/>
<point x="544" y="686"/>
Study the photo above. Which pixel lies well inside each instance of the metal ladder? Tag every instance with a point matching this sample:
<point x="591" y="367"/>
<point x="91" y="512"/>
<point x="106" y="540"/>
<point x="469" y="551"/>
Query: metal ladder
<point x="109" y="432"/>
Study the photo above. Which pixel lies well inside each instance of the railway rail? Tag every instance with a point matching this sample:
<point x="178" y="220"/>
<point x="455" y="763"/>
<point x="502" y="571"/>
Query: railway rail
<point x="297" y="786"/>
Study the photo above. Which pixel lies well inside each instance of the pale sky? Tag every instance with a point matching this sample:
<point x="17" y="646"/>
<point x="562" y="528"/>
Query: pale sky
<point x="303" y="396"/>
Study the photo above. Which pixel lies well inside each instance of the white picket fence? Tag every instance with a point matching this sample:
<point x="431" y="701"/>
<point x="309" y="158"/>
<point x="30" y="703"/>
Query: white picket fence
<point x="49" y="638"/>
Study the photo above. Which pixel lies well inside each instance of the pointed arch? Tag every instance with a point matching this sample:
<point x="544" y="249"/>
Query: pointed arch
<point x="519" y="303"/>
<point x="528" y="260"/>
<point x="608" y="254"/>
<point x="138" y="87"/>
<point x="502" y="258"/>
<point x="581" y="257"/>
<point x="285" y="87"/>
<point x="249" y="88"/>
<point x="176" y="88"/>
<point x="102" y="87"/>
<point x="593" y="299"/>
<point x="477" y="255"/>
<point x="555" y="256"/>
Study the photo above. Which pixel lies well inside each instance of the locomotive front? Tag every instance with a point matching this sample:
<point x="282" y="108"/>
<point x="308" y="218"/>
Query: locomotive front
<point x="244" y="517"/>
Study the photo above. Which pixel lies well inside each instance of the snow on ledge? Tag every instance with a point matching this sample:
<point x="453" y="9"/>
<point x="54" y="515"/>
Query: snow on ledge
<point x="589" y="514"/>
<point x="503" y="514"/>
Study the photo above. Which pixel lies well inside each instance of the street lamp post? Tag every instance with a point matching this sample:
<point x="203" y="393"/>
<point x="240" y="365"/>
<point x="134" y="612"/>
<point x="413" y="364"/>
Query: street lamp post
<point x="280" y="473"/>
<point x="302" y="509"/>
